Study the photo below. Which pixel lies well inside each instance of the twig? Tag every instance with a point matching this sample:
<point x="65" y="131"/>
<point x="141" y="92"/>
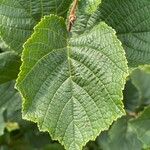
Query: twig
<point x="72" y="16"/>
<point x="132" y="114"/>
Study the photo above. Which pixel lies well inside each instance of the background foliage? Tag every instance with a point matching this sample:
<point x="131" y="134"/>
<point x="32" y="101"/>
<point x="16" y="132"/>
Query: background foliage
<point x="89" y="106"/>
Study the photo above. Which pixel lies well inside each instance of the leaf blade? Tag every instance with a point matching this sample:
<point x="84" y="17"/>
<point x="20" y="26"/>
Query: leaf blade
<point x="64" y="95"/>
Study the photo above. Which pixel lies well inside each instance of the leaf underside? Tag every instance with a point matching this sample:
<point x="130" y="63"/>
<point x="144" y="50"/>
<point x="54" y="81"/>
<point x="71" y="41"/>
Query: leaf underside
<point x="73" y="86"/>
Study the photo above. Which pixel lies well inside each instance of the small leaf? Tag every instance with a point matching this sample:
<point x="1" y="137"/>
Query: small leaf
<point x="18" y="17"/>
<point x="142" y="127"/>
<point x="137" y="91"/>
<point x="72" y="86"/>
<point x="9" y="66"/>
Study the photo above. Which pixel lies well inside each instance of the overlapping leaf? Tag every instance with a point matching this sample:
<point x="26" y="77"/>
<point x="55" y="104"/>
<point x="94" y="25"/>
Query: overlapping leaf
<point x="132" y="99"/>
<point x="120" y="137"/>
<point x="130" y="19"/>
<point x="18" y="17"/>
<point x="137" y="90"/>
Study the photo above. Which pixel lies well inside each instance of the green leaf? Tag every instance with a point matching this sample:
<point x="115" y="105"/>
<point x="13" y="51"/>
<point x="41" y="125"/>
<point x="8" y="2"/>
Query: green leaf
<point x="72" y="86"/>
<point x="84" y="15"/>
<point x="17" y="18"/>
<point x="131" y="98"/>
<point x="137" y="91"/>
<point x="9" y="98"/>
<point x="9" y="66"/>
<point x="38" y="140"/>
<point x="89" y="6"/>
<point x="92" y="145"/>
<point x="141" y="80"/>
<point x="130" y="19"/>
<point x="120" y="137"/>
<point x="142" y="127"/>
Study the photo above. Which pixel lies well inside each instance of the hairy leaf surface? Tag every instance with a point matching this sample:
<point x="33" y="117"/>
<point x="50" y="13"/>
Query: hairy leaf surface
<point x="130" y="19"/>
<point x="72" y="86"/>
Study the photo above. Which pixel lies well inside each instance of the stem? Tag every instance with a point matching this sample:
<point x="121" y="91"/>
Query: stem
<point x="72" y="16"/>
